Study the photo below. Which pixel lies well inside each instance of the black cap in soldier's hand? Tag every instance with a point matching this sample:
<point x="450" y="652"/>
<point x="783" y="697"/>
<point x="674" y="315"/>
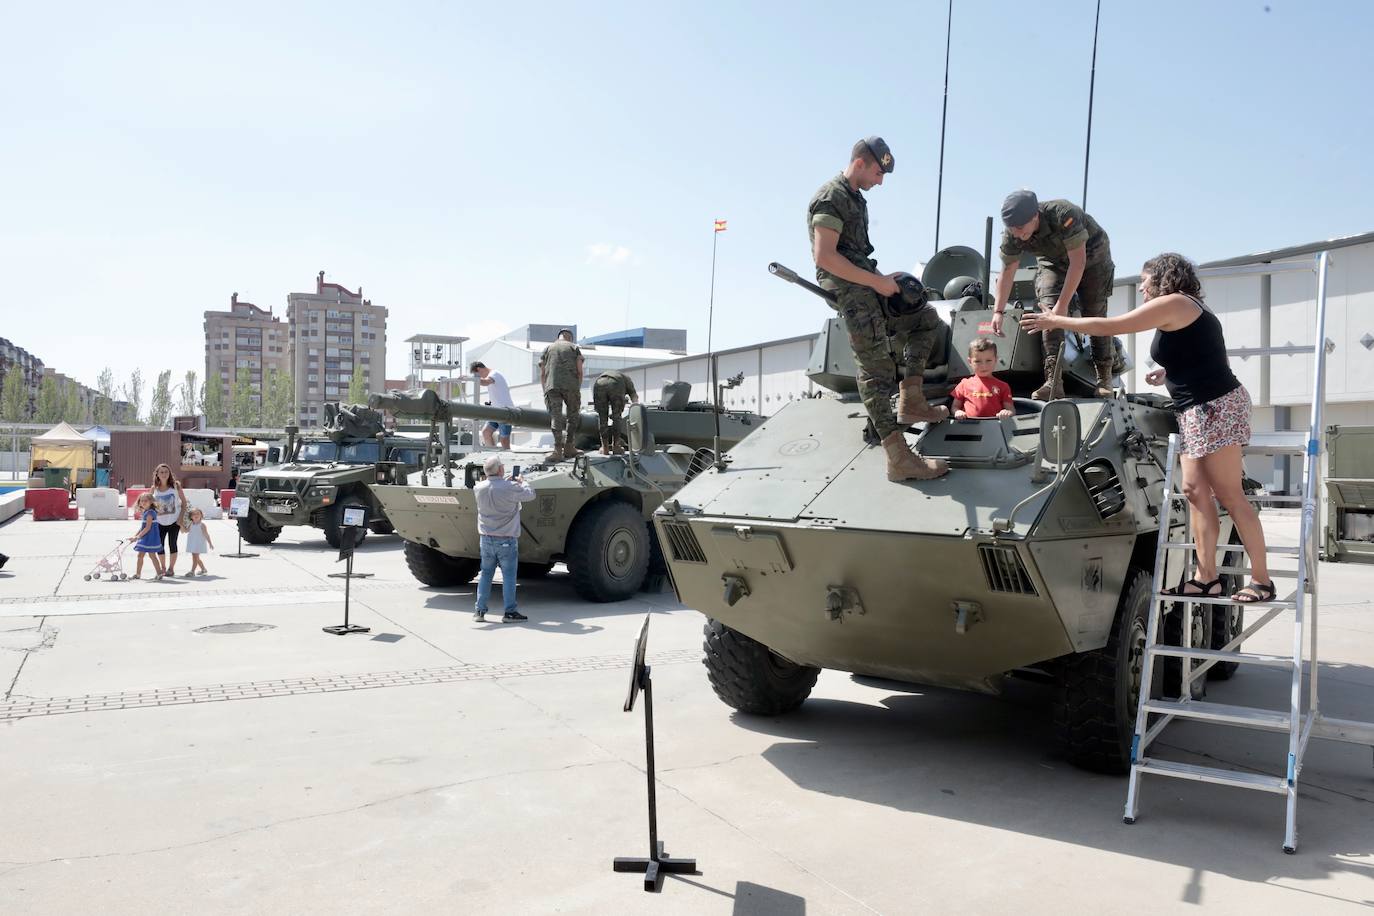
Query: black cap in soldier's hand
<point x="1019" y="208"/>
<point x="881" y="154"/>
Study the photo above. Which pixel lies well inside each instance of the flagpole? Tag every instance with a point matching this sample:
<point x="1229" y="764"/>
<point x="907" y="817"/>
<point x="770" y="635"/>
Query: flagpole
<point x="710" y="351"/>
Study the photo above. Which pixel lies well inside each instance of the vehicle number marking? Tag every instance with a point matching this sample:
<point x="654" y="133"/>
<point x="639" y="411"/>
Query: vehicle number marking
<point x="436" y="499"/>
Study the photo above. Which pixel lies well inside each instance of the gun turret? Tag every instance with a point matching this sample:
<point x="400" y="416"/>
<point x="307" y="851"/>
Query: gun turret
<point x="790" y="275"/>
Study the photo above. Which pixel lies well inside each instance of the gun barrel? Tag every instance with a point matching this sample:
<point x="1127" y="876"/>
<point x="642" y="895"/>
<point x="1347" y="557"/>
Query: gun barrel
<point x="427" y="404"/>
<point x="790" y="275"/>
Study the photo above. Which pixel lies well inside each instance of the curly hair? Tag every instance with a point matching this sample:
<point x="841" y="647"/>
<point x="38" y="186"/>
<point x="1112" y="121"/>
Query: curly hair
<point x="1173" y="273"/>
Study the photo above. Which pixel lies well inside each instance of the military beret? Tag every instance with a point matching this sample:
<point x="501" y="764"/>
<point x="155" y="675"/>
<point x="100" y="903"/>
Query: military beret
<point x="1019" y="208"/>
<point x="881" y="154"/>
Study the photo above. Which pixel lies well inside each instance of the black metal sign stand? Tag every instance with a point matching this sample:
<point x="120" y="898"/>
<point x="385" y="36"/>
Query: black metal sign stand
<point x="657" y="864"/>
<point x="238" y="554"/>
<point x="350" y="536"/>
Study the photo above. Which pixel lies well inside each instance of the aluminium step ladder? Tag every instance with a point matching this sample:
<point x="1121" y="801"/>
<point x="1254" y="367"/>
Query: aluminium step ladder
<point x="1302" y="720"/>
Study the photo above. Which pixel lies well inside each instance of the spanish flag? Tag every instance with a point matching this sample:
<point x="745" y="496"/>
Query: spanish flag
<point x="720" y="225"/>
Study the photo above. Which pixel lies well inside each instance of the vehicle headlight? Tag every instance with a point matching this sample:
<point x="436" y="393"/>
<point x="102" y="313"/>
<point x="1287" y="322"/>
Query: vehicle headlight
<point x="323" y="493"/>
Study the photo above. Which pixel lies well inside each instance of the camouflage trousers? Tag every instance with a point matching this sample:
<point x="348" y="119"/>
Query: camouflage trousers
<point x="565" y="412"/>
<point x="609" y="409"/>
<point x="882" y="346"/>
<point x="1094" y="289"/>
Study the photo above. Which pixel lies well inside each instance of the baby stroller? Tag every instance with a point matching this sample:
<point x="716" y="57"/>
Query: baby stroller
<point x="111" y="565"/>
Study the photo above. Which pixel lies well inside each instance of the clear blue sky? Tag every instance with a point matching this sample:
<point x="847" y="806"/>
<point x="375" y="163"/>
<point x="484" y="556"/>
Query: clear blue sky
<point x="479" y="166"/>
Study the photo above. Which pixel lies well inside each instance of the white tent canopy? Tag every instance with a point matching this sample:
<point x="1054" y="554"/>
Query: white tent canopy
<point x="63" y="434"/>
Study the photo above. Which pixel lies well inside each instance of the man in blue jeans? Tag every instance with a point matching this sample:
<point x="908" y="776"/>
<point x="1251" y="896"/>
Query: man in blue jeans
<point x="498" y="523"/>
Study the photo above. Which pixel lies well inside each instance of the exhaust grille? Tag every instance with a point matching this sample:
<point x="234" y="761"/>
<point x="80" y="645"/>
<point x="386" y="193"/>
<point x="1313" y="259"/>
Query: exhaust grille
<point x="683" y="543"/>
<point x="1004" y="570"/>
<point x="1104" y="486"/>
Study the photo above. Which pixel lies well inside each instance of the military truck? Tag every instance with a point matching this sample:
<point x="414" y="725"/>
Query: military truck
<point x="324" y="474"/>
<point x="591" y="512"/>
<point x="1033" y="556"/>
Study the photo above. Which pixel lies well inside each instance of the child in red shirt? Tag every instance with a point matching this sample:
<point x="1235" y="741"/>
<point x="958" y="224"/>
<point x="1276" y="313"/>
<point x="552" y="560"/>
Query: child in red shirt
<point x="982" y="394"/>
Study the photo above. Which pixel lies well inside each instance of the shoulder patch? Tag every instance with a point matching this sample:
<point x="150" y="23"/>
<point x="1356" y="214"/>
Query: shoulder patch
<point x="1068" y="222"/>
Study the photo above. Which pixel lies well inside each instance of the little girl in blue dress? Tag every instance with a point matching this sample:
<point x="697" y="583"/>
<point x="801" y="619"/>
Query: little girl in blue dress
<point x="149" y="539"/>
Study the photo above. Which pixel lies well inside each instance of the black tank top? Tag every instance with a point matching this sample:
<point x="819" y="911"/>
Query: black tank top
<point x="1194" y="361"/>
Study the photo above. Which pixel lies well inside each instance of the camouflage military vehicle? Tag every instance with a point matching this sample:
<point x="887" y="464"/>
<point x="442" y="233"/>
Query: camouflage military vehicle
<point x="591" y="512"/>
<point x="326" y="473"/>
<point x="1033" y="555"/>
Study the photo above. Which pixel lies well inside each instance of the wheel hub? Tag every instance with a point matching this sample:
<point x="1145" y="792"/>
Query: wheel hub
<point x="620" y="553"/>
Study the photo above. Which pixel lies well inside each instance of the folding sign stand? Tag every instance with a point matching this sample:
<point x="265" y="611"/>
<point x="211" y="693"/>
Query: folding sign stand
<point x="238" y="508"/>
<point x="348" y="538"/>
<point x="657" y="864"/>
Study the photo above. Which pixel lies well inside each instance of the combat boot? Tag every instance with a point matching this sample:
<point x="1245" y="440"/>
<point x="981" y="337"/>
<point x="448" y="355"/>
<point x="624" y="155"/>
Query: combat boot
<point x="605" y="444"/>
<point x="570" y="450"/>
<point x="619" y="448"/>
<point x="1104" y="380"/>
<point x="904" y="464"/>
<point x="1053" y="389"/>
<point x="556" y="455"/>
<point x="912" y="406"/>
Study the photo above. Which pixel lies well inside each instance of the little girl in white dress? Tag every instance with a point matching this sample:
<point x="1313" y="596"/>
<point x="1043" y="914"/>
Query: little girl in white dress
<point x="198" y="541"/>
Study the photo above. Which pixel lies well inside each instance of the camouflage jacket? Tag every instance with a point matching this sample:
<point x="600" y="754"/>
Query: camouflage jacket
<point x="619" y="384"/>
<point x="559" y="365"/>
<point x="838" y="206"/>
<point x="1063" y="226"/>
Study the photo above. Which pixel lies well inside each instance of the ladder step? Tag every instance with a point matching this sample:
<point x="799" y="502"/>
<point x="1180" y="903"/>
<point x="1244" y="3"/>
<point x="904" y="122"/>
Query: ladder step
<point x="1277" y="443"/>
<point x="1241" y="571"/>
<point x="1249" y="658"/>
<point x="1247" y="716"/>
<point x="1261" y="781"/>
<point x="1231" y="548"/>
<point x="1286" y="603"/>
<point x="1276" y="499"/>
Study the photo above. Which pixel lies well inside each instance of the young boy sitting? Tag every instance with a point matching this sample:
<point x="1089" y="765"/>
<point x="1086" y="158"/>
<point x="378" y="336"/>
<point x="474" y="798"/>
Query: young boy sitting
<point x="982" y="394"/>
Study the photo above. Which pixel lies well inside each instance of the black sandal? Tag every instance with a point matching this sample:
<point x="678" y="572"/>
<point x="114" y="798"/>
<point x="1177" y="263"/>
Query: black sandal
<point x="1204" y="589"/>
<point x="1254" y="593"/>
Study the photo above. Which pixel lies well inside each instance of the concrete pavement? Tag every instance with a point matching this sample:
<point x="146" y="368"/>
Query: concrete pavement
<point x="152" y="764"/>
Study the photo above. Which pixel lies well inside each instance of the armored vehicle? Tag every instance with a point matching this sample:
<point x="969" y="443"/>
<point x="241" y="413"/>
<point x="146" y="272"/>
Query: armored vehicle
<point x="324" y="474"/>
<point x="591" y="512"/>
<point x="1033" y="555"/>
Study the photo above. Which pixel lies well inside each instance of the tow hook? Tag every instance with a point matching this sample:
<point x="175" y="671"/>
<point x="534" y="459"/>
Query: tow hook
<point x="842" y="598"/>
<point x="966" y="614"/>
<point x="735" y="588"/>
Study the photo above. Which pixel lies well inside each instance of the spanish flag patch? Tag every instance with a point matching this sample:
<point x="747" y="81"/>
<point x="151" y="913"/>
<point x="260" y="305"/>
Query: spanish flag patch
<point x="1068" y="222"/>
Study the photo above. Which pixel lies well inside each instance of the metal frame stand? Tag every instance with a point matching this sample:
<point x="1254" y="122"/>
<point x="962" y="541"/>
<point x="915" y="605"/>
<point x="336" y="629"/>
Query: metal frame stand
<point x="1299" y="721"/>
<point x="239" y="554"/>
<point x="657" y="864"/>
<point x="345" y="628"/>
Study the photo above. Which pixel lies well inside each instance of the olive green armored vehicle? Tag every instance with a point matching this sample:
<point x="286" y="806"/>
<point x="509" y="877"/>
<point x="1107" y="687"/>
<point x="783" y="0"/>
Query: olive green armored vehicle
<point x="1033" y="555"/>
<point x="324" y="474"/>
<point x="591" y="512"/>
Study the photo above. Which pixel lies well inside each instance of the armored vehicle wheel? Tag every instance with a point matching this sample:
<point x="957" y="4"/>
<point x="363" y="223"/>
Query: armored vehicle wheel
<point x="608" y="551"/>
<point x="334" y="525"/>
<point x="1227" y="623"/>
<point x="1095" y="715"/>
<point x="1172" y="668"/>
<point x="533" y="570"/>
<point x="255" y="530"/>
<point x="434" y="568"/>
<point x="749" y="676"/>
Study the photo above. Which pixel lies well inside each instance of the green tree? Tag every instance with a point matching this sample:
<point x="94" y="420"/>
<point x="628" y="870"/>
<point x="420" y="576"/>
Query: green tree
<point x="133" y="393"/>
<point x="160" y="406"/>
<point x="14" y="396"/>
<point x="244" y="411"/>
<point x="357" y="388"/>
<point x="187" y="405"/>
<point x="278" y="397"/>
<point x="73" y="411"/>
<point x="50" y="401"/>
<point x="104" y="402"/>
<point x="212" y="402"/>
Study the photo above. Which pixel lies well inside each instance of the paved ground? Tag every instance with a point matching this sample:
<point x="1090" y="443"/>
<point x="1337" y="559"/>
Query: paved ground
<point x="438" y="765"/>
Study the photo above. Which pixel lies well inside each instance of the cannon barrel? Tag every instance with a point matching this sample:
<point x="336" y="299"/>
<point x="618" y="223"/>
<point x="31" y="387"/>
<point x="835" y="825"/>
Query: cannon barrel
<point x="790" y="275"/>
<point x="426" y="404"/>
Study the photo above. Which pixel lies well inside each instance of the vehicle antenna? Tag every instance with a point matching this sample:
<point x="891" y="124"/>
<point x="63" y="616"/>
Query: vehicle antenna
<point x="1092" y="80"/>
<point x="944" y="112"/>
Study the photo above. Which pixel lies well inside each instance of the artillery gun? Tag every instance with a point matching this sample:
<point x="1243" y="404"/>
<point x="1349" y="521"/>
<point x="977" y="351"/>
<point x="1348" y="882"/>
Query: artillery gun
<point x="1033" y="555"/>
<point x="591" y="512"/>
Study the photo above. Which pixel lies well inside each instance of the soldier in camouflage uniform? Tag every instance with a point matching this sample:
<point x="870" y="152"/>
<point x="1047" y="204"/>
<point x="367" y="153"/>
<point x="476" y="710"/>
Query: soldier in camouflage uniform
<point x="837" y="221"/>
<point x="560" y="371"/>
<point x="609" y="393"/>
<point x="1072" y="254"/>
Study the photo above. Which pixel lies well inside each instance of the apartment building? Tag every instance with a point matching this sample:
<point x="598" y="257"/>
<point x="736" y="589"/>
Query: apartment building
<point x="14" y="358"/>
<point x="245" y="340"/>
<point x="332" y="332"/>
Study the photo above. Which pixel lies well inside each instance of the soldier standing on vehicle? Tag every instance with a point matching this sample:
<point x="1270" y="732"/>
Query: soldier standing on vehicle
<point x="837" y="221"/>
<point x="560" y="372"/>
<point x="1072" y="255"/>
<point x="609" y="392"/>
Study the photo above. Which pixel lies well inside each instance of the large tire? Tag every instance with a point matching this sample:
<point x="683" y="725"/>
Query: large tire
<point x="1172" y="668"/>
<point x="608" y="551"/>
<point x="1095" y="715"/>
<point x="434" y="568"/>
<point x="333" y="526"/>
<point x="255" y="530"/>
<point x="533" y="570"/>
<point x="749" y="676"/>
<point x="1227" y="621"/>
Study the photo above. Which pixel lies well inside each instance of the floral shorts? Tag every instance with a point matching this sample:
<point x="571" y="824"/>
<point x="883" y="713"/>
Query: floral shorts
<point x="1211" y="426"/>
